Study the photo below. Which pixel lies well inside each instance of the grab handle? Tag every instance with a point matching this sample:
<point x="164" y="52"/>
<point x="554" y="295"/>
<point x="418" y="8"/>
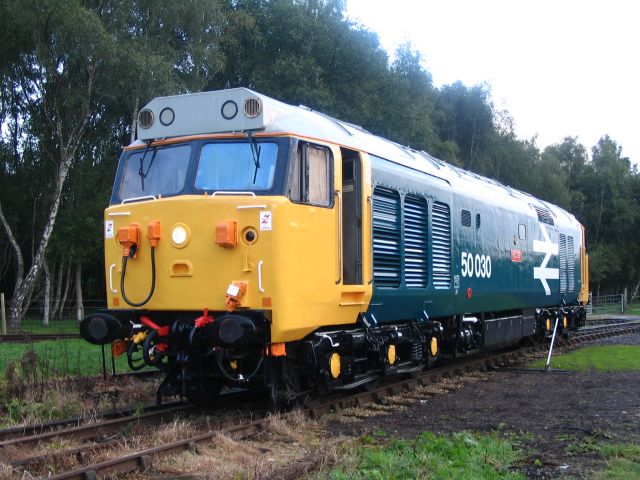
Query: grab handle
<point x="113" y="290"/>
<point x="260" y="276"/>
<point x="340" y="260"/>
<point x="370" y="205"/>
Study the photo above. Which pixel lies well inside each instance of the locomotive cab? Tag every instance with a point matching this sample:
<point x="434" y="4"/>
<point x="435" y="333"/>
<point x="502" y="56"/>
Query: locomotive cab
<point x="221" y="247"/>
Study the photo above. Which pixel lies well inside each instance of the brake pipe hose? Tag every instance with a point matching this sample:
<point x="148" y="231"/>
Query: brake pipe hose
<point x="153" y="279"/>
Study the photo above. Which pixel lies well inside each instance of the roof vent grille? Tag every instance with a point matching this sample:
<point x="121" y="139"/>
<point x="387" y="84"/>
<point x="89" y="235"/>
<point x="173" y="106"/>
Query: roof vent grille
<point x="252" y="107"/>
<point x="145" y="118"/>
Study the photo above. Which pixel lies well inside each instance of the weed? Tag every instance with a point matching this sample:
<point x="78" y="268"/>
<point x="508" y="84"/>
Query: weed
<point x="588" y="445"/>
<point x="462" y="455"/>
<point x="623" y="461"/>
<point x="566" y="437"/>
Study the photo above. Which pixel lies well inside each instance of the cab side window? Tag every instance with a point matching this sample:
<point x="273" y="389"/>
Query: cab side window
<point x="310" y="175"/>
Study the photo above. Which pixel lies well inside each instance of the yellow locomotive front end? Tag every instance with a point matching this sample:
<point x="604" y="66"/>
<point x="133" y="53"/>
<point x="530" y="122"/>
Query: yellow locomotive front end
<point x="222" y="248"/>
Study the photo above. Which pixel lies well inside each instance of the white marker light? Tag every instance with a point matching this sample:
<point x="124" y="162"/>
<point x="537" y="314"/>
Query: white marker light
<point x="179" y="235"/>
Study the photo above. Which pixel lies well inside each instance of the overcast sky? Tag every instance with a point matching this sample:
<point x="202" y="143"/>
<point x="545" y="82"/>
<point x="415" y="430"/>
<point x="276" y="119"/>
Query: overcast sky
<point x="560" y="67"/>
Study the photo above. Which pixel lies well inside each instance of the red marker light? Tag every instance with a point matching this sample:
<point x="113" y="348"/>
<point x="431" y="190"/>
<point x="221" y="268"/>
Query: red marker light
<point x="469" y="293"/>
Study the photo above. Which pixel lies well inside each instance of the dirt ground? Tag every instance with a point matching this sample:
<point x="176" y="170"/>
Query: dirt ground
<point x="552" y="416"/>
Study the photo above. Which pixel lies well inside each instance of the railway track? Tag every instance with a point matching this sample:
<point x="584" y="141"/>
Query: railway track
<point x="244" y="426"/>
<point x="86" y="438"/>
<point x="27" y="431"/>
<point x="610" y="319"/>
<point x="36" y="337"/>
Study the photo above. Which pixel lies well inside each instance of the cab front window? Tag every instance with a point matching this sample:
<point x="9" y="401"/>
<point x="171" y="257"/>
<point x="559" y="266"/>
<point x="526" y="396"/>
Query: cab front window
<point x="236" y="166"/>
<point x="155" y="171"/>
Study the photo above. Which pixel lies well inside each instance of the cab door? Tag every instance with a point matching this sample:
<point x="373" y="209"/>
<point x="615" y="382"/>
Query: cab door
<point x="351" y="217"/>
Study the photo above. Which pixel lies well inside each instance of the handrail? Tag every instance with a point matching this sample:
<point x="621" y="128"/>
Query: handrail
<point x="113" y="290"/>
<point x="225" y="192"/>
<point x="119" y="214"/>
<point x="247" y="207"/>
<point x="370" y="204"/>
<point x="137" y="199"/>
<point x="340" y="259"/>
<point x="260" y="276"/>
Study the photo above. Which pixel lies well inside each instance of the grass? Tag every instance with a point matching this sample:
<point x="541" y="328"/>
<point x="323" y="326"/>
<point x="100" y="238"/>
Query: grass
<point x="622" y="460"/>
<point x="463" y="456"/>
<point x="55" y="326"/>
<point x="604" y="358"/>
<point x="633" y="308"/>
<point x="55" y="358"/>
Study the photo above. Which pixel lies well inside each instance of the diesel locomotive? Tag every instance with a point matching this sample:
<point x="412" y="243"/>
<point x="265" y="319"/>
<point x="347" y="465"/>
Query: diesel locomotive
<point x="257" y="245"/>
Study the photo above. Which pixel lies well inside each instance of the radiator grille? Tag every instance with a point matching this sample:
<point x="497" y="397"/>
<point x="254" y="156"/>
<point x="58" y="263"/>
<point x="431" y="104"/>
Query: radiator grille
<point x="386" y="238"/>
<point x="563" y="263"/>
<point x="415" y="242"/>
<point x="441" y="221"/>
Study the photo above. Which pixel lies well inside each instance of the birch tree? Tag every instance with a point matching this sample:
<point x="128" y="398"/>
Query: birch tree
<point x="58" y="80"/>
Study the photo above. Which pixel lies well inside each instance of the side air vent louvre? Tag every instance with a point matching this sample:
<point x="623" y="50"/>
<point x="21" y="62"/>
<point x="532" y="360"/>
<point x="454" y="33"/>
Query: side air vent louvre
<point x="441" y="221"/>
<point x="571" y="278"/>
<point x="386" y="238"/>
<point x="415" y="242"/>
<point x="544" y="215"/>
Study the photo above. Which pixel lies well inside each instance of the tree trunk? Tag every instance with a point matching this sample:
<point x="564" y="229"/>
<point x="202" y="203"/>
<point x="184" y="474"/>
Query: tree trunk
<point x="15" y="310"/>
<point x="47" y="295"/>
<point x="134" y="118"/>
<point x="635" y="292"/>
<point x="27" y="303"/>
<point x="56" y="300"/>
<point x="79" y="304"/>
<point x="66" y="292"/>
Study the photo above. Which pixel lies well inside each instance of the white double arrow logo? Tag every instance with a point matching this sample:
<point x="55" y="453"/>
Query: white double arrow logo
<point x="544" y="273"/>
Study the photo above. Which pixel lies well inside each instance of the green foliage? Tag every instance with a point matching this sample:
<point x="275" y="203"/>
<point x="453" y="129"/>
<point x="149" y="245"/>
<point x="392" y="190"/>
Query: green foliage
<point x="300" y="51"/>
<point x="604" y="358"/>
<point x="462" y="455"/>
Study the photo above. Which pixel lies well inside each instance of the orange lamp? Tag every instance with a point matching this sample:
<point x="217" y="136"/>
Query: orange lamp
<point x="227" y="233"/>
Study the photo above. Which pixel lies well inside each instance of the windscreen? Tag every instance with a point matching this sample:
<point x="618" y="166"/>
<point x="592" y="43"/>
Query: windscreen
<point x="155" y="171"/>
<point x="236" y="166"/>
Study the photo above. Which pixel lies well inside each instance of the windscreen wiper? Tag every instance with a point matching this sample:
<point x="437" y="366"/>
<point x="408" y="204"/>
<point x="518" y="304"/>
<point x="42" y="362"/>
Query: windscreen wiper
<point x="141" y="171"/>
<point x="255" y="151"/>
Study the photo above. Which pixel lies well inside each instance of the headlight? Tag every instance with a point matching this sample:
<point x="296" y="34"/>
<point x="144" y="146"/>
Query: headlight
<point x="179" y="235"/>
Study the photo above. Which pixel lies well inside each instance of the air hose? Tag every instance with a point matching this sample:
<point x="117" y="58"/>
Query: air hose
<point x="153" y="279"/>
